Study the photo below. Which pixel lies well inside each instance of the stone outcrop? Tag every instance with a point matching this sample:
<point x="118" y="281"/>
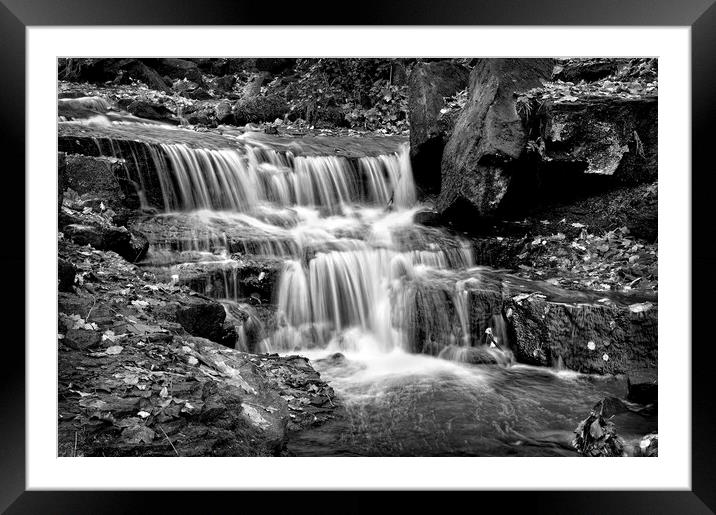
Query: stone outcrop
<point x="608" y="136"/>
<point x="602" y="338"/>
<point x="428" y="85"/>
<point x="98" y="180"/>
<point x="538" y="323"/>
<point x="489" y="136"/>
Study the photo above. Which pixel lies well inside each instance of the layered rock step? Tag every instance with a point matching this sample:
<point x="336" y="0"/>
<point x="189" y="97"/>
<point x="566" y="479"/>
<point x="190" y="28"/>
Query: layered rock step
<point x="584" y="331"/>
<point x="171" y="169"/>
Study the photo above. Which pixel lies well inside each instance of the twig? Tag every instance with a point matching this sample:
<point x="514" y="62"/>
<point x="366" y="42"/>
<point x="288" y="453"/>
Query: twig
<point x="169" y="440"/>
<point x="74" y="450"/>
<point x="94" y="301"/>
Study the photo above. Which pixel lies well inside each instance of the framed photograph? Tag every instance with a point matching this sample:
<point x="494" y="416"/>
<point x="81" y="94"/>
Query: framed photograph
<point x="446" y="249"/>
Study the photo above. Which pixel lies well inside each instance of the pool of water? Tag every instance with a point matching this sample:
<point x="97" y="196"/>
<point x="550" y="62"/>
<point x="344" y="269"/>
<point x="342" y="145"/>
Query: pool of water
<point x="400" y="404"/>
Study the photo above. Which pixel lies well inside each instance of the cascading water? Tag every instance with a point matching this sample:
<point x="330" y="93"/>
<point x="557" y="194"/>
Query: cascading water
<point x="343" y="228"/>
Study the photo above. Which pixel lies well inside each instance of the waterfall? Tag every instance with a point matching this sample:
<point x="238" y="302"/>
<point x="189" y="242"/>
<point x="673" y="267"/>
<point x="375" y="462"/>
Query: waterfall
<point x="241" y="180"/>
<point x="357" y="274"/>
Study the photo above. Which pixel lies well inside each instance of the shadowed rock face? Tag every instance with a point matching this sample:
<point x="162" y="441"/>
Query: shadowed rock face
<point x="428" y="85"/>
<point x="489" y="135"/>
<point x="606" y="136"/>
<point x="131" y="245"/>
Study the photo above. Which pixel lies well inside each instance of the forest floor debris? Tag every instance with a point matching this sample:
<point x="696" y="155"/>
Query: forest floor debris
<point x="132" y="381"/>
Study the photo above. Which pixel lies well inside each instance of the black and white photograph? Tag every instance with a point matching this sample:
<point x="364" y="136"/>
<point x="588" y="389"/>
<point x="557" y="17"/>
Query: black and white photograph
<point x="357" y="257"/>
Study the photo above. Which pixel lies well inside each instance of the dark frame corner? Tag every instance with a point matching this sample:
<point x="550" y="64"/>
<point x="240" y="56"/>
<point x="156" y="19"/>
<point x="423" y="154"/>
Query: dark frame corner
<point x="700" y="15"/>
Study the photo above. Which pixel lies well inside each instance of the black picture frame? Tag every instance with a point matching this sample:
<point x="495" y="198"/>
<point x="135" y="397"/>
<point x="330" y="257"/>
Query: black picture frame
<point x="17" y="15"/>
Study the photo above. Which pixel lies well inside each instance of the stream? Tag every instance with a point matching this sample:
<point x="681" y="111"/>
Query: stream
<point x="396" y="316"/>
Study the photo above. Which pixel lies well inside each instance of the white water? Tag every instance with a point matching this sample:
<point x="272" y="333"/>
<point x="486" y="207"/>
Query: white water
<point x="358" y="275"/>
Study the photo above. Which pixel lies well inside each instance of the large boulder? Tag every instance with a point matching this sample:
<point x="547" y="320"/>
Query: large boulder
<point x="608" y="136"/>
<point x="98" y="177"/>
<point x="489" y="136"/>
<point x="428" y="85"/>
<point x="202" y="317"/>
<point x="256" y="109"/>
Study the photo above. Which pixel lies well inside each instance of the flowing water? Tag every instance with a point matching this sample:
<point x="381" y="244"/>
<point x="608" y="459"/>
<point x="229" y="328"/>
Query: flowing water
<point x="390" y="312"/>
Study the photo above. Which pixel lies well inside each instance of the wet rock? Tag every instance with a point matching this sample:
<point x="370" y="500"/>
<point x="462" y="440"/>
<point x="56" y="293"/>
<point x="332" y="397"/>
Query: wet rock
<point x="246" y="278"/>
<point x="256" y="109"/>
<point x="642" y="386"/>
<point x="429" y="218"/>
<point x="481" y="355"/>
<point x="152" y="111"/>
<point x="489" y="136"/>
<point x="201" y="317"/>
<point x="334" y="359"/>
<point x="229" y="335"/>
<point x="82" y="108"/>
<point x="428" y="85"/>
<point x="598" y="338"/>
<point x="66" y="272"/>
